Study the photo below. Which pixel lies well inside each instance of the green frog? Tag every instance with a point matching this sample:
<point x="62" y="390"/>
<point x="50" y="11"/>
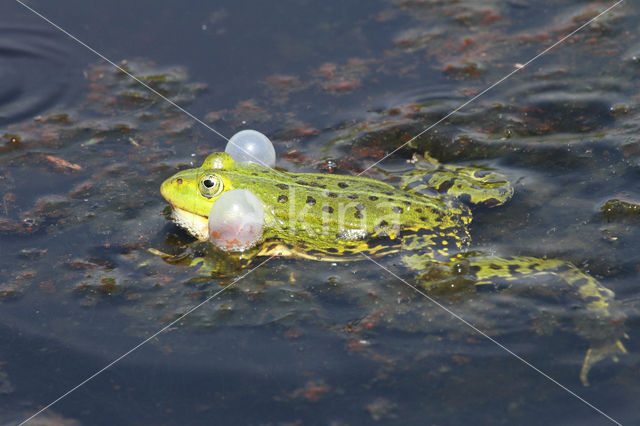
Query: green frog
<point x="424" y="220"/>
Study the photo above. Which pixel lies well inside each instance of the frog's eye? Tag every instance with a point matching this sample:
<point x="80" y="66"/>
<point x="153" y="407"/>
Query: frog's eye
<point x="210" y="186"/>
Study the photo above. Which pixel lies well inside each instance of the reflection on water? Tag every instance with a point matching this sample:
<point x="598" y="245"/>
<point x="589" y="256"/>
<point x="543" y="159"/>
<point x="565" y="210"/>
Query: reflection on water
<point x="83" y="151"/>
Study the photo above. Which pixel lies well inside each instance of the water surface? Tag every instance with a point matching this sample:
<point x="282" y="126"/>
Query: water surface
<point x="84" y="150"/>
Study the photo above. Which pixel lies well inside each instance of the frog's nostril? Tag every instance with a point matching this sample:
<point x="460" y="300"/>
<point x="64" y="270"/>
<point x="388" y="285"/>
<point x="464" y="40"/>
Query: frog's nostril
<point x="179" y="181"/>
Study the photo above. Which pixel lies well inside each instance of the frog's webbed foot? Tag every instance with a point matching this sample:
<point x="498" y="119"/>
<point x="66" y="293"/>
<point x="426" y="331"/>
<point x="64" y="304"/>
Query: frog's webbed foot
<point x="472" y="185"/>
<point x="598" y="352"/>
<point x="210" y="261"/>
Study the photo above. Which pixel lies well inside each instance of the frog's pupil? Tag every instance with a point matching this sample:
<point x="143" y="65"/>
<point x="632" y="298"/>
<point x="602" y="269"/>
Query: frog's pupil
<point x="208" y="183"/>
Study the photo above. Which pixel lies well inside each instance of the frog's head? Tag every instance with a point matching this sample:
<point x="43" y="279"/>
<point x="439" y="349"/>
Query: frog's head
<point x="192" y="192"/>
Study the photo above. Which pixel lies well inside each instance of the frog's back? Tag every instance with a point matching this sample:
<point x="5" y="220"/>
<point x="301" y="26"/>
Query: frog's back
<point x="329" y="217"/>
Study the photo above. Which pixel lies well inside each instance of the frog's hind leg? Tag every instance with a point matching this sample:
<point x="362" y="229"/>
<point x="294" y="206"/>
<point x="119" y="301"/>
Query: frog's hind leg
<point x="472" y="185"/>
<point x="602" y="324"/>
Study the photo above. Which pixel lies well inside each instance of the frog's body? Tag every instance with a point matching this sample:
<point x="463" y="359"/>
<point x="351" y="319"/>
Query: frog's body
<point x="337" y="217"/>
<point x="326" y="217"/>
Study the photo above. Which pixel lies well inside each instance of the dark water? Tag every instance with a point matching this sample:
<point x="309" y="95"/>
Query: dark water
<point x="336" y="85"/>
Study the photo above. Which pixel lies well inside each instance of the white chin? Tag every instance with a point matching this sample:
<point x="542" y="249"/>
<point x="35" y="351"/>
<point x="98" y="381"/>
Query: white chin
<point x="197" y="226"/>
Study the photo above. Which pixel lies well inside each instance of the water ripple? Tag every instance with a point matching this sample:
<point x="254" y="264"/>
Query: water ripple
<point x="25" y="90"/>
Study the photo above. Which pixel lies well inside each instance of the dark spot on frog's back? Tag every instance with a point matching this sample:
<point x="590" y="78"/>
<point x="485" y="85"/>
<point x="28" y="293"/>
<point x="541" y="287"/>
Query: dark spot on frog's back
<point x="283" y="199"/>
<point x="283" y="186"/>
<point x="491" y="202"/>
<point x="332" y="195"/>
<point x="311" y="201"/>
<point x="272" y="246"/>
<point x="465" y="198"/>
<point x="382" y="240"/>
<point x="446" y="185"/>
<point x="343" y="185"/>
<point x="590" y="299"/>
<point x="416" y="183"/>
<point x="396" y="209"/>
<point x="314" y="184"/>
<point x="580" y="282"/>
<point x="564" y="268"/>
<point x="327" y="209"/>
<point x="407" y="233"/>
<point x="373" y="197"/>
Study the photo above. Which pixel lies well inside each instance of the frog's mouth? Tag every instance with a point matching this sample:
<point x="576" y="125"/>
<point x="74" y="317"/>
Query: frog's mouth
<point x="197" y="225"/>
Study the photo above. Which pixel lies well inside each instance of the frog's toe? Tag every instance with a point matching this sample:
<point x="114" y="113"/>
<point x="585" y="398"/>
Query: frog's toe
<point x="597" y="353"/>
<point x="206" y="267"/>
<point x="169" y="258"/>
<point x="159" y="253"/>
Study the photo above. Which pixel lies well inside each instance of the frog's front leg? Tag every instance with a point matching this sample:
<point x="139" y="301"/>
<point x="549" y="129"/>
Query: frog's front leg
<point x="211" y="262"/>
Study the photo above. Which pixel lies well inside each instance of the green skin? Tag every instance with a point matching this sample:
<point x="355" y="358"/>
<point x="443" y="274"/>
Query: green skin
<point x="336" y="217"/>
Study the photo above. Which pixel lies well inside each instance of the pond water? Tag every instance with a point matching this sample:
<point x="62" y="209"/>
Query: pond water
<point x="336" y="85"/>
